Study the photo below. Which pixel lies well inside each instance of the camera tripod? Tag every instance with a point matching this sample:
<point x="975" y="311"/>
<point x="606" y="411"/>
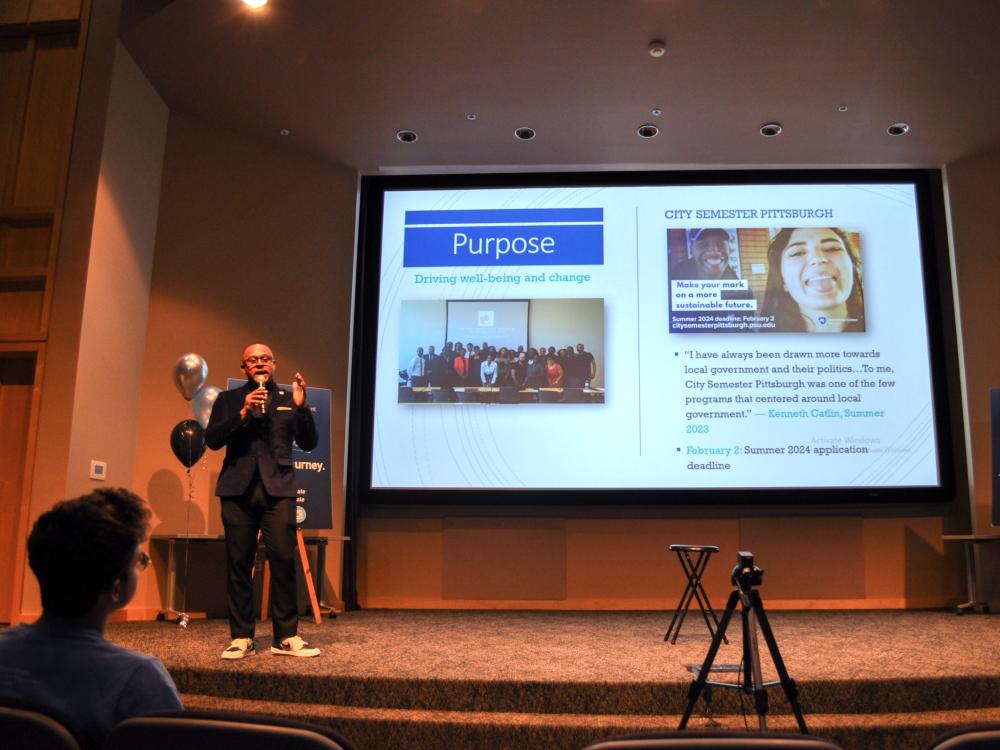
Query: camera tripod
<point x="753" y="616"/>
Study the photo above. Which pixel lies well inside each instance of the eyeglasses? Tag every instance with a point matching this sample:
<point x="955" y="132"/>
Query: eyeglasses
<point x="143" y="562"/>
<point x="264" y="359"/>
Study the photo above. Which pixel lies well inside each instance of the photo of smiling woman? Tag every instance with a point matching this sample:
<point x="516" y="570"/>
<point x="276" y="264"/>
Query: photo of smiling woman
<point x="814" y="281"/>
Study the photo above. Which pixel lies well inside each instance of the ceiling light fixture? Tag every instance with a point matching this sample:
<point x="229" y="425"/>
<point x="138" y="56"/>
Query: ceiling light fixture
<point x="657" y="48"/>
<point x="656" y="111"/>
<point x="898" y="128"/>
<point x="406" y="136"/>
<point x="471" y="116"/>
<point x="842" y="108"/>
<point x="284" y="131"/>
<point x="255" y="4"/>
<point x="648" y="131"/>
<point x="771" y="129"/>
<point x="524" y="134"/>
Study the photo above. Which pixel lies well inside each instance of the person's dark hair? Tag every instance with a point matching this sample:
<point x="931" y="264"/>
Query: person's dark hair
<point x="779" y="303"/>
<point x="79" y="547"/>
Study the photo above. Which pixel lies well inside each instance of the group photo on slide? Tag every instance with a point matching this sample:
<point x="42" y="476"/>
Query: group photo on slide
<point x="771" y="280"/>
<point x="511" y="364"/>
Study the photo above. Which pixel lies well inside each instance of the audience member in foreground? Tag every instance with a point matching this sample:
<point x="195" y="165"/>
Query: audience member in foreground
<point x="86" y="556"/>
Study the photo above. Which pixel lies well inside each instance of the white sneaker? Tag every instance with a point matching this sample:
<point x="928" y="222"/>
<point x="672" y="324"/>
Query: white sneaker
<point x="239" y="648"/>
<point x="294" y="646"/>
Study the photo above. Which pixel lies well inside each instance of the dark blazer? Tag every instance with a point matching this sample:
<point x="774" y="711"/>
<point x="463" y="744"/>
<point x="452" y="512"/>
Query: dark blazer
<point x="273" y="434"/>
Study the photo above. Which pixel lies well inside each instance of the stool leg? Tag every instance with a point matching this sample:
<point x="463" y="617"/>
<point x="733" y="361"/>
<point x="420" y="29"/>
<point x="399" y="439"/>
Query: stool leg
<point x="702" y="596"/>
<point x="689" y="592"/>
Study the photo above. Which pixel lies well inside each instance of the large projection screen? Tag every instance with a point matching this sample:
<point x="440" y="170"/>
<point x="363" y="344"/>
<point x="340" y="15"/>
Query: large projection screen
<point x="736" y="336"/>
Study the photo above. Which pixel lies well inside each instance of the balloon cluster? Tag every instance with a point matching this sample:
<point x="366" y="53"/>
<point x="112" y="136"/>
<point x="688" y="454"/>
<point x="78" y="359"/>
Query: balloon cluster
<point x="187" y="439"/>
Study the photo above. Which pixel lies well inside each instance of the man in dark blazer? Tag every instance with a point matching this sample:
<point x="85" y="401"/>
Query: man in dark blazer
<point x="257" y="424"/>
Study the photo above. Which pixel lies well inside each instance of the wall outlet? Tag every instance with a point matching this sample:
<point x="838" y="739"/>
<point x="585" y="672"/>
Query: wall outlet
<point x="99" y="470"/>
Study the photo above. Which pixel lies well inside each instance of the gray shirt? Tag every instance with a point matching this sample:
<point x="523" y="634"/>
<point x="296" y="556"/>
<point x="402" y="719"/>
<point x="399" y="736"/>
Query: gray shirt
<point x="76" y="674"/>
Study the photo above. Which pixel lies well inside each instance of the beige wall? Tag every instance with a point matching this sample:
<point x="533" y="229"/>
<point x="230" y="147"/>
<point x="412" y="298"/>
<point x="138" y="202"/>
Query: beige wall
<point x="112" y="336"/>
<point x="974" y="194"/>
<point x="255" y="243"/>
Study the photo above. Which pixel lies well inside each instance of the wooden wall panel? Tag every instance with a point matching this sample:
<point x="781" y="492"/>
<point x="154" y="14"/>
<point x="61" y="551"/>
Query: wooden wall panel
<point x="24" y="246"/>
<point x="14" y="12"/>
<point x="21" y="304"/>
<point x="798" y="566"/>
<point x="53" y="11"/>
<point x="16" y="387"/>
<point x="47" y="126"/>
<point x="504" y="558"/>
<point x="15" y="72"/>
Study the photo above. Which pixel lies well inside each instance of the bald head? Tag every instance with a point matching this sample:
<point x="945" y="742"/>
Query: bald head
<point x="258" y="361"/>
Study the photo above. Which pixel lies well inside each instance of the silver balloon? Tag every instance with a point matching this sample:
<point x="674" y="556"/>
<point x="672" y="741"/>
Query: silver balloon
<point x="202" y="403"/>
<point x="190" y="374"/>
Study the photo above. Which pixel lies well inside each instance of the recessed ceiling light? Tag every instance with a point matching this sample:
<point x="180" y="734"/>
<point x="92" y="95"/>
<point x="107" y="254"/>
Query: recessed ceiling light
<point x="648" y="131"/>
<point x="471" y="116"/>
<point x="284" y="131"/>
<point x="255" y="4"/>
<point x="656" y="111"/>
<point x="842" y="108"/>
<point x="898" y="128"/>
<point x="771" y="129"/>
<point x="524" y="134"/>
<point x="657" y="48"/>
<point x="406" y="136"/>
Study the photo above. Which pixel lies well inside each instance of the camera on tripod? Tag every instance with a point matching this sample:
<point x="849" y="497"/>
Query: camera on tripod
<point x="746" y="575"/>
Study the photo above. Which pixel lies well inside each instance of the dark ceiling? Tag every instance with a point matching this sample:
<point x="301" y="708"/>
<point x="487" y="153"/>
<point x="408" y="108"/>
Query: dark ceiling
<point x="342" y="77"/>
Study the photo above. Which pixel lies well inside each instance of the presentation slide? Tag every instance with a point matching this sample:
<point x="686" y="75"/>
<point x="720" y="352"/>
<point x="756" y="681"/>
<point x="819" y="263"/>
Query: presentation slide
<point x="653" y="337"/>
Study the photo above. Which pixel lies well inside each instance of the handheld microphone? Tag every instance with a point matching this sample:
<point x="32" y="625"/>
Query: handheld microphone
<point x="261" y="379"/>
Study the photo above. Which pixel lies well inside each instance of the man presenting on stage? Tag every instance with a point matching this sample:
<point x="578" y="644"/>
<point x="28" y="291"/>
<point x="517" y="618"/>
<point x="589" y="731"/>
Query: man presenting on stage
<point x="257" y="423"/>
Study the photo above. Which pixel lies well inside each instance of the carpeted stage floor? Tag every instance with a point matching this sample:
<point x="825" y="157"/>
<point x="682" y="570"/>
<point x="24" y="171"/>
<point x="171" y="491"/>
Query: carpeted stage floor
<point x="436" y="679"/>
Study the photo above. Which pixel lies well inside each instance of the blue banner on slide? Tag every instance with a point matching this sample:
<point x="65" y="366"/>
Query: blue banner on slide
<point x="312" y="468"/>
<point x="497" y="246"/>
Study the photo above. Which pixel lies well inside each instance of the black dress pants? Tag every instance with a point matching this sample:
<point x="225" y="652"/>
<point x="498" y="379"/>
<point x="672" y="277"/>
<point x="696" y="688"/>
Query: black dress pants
<point x="275" y="518"/>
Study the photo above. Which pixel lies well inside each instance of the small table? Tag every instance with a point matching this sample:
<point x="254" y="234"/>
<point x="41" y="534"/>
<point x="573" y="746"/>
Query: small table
<point x="693" y="559"/>
<point x="970" y="541"/>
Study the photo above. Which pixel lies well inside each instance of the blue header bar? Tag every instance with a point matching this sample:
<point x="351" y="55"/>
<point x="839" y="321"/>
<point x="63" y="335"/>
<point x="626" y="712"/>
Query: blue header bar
<point x="505" y="216"/>
<point x="554" y="245"/>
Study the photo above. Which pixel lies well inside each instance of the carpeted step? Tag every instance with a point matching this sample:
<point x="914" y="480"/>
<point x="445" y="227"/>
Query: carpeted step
<point x="406" y="729"/>
<point x="595" y="697"/>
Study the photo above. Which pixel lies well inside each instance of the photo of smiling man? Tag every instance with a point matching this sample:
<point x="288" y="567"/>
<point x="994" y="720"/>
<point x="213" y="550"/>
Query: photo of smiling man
<point x="711" y="257"/>
<point x="814" y="281"/>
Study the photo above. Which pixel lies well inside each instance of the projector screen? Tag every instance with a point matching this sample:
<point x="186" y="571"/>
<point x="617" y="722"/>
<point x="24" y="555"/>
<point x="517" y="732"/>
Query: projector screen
<point x="653" y="334"/>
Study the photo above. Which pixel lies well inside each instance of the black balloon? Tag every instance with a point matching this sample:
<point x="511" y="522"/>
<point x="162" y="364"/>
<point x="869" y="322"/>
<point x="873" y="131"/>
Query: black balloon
<point x="187" y="441"/>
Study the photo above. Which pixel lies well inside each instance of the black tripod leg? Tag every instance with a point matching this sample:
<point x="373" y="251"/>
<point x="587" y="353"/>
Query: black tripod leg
<point x="787" y="683"/>
<point x="752" y="673"/>
<point x="699" y="683"/>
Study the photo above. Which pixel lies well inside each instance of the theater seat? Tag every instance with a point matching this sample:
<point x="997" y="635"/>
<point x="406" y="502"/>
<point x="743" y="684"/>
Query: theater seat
<point x="21" y="728"/>
<point x="978" y="737"/>
<point x="695" y="740"/>
<point x="211" y="730"/>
